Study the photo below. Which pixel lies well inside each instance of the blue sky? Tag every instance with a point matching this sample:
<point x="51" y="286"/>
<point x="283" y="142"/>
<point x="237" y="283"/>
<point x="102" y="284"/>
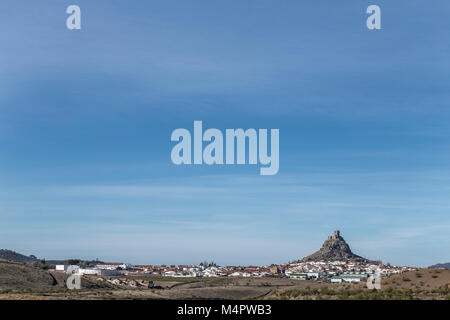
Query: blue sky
<point x="86" y="118"/>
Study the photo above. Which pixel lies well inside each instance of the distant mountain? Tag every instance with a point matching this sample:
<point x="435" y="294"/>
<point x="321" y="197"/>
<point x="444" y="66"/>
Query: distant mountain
<point x="16" y="257"/>
<point x="441" y="265"/>
<point x="335" y="249"/>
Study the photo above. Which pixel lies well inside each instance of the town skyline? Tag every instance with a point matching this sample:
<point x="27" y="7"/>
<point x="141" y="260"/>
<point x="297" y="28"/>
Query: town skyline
<point x="334" y="250"/>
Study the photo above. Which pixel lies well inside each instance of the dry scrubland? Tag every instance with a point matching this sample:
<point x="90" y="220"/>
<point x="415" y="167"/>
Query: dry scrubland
<point x="424" y="284"/>
<point x="18" y="281"/>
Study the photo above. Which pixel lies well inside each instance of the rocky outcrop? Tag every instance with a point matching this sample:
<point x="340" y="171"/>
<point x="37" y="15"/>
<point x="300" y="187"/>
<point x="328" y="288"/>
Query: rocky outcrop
<point x="334" y="249"/>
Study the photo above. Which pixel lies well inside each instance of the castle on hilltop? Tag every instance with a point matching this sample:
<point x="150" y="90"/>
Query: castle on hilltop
<point x="336" y="235"/>
<point x="334" y="249"/>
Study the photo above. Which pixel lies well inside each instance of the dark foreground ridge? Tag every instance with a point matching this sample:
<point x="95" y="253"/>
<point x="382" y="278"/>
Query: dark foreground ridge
<point x="335" y="249"/>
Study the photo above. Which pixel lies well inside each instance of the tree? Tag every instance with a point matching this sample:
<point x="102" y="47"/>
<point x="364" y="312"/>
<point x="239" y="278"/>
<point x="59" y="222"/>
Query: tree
<point x="207" y="264"/>
<point x="212" y="264"/>
<point x="73" y="261"/>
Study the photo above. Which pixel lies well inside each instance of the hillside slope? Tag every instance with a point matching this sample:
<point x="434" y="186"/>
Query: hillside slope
<point x="14" y="275"/>
<point x="15" y="256"/>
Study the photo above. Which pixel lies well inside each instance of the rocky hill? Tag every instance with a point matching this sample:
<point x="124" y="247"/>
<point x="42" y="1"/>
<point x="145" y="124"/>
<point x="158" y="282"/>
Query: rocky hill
<point x="441" y="265"/>
<point x="335" y="249"/>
